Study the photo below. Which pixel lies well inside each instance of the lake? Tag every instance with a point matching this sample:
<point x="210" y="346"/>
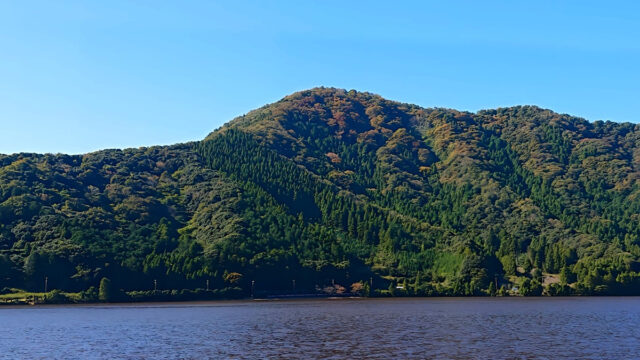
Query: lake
<point x="433" y="328"/>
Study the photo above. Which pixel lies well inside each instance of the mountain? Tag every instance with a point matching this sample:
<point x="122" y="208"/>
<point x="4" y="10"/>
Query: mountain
<point x="327" y="189"/>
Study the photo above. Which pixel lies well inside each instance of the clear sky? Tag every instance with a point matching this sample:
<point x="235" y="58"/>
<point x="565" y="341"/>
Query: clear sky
<point x="78" y="76"/>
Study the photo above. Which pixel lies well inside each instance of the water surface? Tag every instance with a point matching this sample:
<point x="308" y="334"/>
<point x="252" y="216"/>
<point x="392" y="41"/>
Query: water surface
<point x="442" y="328"/>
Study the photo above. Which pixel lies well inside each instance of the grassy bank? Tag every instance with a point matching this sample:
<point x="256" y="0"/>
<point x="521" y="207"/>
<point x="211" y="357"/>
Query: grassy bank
<point x="21" y="297"/>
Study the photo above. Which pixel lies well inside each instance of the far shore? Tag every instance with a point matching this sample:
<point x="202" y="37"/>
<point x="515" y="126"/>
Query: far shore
<point x="231" y="302"/>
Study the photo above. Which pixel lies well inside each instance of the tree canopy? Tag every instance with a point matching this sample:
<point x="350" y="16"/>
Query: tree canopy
<point x="330" y="187"/>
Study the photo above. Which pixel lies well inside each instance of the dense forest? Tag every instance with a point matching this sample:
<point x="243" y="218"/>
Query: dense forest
<point x="333" y="191"/>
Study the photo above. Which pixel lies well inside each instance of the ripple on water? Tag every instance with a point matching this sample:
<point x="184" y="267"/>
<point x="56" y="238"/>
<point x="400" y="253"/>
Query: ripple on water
<point x="480" y="328"/>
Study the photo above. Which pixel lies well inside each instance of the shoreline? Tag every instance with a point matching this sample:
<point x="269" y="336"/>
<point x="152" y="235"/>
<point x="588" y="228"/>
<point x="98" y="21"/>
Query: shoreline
<point x="234" y="302"/>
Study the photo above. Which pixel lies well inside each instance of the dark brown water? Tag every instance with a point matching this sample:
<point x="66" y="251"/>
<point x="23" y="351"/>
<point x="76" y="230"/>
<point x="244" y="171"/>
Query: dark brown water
<point x="480" y="328"/>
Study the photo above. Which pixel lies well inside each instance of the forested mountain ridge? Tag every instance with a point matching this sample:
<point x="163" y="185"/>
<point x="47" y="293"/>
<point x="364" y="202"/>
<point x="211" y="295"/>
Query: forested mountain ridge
<point x="328" y="188"/>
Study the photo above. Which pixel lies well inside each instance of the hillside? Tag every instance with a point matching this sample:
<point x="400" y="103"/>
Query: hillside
<point x="328" y="188"/>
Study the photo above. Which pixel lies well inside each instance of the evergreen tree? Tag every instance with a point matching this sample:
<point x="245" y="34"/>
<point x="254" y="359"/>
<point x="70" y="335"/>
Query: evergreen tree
<point x="106" y="292"/>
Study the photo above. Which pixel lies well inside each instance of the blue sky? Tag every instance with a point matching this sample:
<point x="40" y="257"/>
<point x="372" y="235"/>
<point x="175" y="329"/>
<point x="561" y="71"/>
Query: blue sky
<point x="78" y="76"/>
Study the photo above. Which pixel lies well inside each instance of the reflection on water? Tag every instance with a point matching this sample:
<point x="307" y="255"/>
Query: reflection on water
<point x="481" y="328"/>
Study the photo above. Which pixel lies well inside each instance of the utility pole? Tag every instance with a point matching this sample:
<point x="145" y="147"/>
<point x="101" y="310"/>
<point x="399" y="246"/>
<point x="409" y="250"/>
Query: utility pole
<point x="46" y="283"/>
<point x="207" y="284"/>
<point x="155" y="285"/>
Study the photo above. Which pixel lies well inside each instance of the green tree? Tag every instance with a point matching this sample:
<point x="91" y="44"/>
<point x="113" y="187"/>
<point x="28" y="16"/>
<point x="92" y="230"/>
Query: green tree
<point x="492" y="289"/>
<point x="105" y="293"/>
<point x="55" y="297"/>
<point x="567" y="276"/>
<point x="530" y="288"/>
